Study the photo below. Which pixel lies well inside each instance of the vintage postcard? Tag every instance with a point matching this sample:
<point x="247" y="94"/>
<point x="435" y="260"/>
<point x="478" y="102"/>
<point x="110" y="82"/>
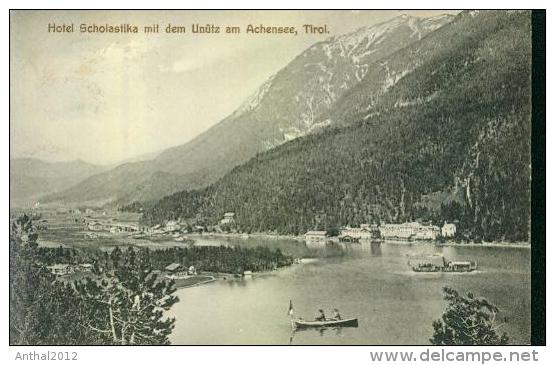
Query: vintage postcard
<point x="269" y="177"/>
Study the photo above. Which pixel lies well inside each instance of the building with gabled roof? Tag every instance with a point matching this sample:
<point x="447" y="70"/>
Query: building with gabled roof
<point x="316" y="237"/>
<point x="173" y="267"/>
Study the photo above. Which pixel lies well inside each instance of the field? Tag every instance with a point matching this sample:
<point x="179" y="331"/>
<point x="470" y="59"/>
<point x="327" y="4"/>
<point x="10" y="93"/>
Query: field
<point x="68" y="229"/>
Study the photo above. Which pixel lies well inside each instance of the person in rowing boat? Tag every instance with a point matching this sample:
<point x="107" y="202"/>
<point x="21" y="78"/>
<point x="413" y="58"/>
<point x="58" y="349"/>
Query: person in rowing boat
<point x="321" y="315"/>
<point x="336" y="315"/>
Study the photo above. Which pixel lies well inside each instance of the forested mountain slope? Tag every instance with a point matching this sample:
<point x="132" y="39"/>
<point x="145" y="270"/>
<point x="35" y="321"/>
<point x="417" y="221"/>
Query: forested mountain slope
<point x="285" y="107"/>
<point x="452" y="122"/>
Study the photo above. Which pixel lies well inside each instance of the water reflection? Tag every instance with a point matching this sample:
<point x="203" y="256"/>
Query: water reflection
<point x="376" y="248"/>
<point x="369" y="281"/>
<point x="322" y="331"/>
<point x="339" y="249"/>
<point x="330" y="249"/>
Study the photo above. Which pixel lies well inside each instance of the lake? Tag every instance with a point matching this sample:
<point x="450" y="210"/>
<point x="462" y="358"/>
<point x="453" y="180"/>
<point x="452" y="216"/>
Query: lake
<point x="372" y="282"/>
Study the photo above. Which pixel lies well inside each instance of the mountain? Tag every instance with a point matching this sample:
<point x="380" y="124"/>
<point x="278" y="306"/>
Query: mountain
<point x="438" y="130"/>
<point x="285" y="107"/>
<point x="31" y="178"/>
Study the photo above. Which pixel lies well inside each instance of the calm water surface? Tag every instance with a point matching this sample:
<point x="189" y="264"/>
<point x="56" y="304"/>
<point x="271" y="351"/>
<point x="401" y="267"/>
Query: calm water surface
<point x="370" y="281"/>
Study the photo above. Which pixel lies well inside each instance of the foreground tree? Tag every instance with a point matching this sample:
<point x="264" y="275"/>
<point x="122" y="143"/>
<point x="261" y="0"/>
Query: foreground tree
<point x="26" y="278"/>
<point x="123" y="304"/>
<point x="40" y="307"/>
<point x="126" y="305"/>
<point x="467" y="321"/>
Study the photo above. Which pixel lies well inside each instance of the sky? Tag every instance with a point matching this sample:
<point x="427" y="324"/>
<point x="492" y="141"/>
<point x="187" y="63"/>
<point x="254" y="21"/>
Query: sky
<point x="109" y="98"/>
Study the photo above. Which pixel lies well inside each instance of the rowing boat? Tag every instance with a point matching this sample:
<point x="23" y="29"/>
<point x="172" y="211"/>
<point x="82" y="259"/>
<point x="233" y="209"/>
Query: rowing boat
<point x="348" y="322"/>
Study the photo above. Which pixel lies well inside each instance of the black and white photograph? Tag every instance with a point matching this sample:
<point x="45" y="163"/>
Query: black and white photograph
<point x="272" y="177"/>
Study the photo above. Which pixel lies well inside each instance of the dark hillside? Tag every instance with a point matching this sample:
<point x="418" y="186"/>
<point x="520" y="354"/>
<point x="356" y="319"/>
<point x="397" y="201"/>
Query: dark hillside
<point x="455" y="123"/>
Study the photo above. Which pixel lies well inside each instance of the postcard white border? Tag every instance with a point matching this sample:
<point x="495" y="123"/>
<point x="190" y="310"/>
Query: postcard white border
<point x="246" y="355"/>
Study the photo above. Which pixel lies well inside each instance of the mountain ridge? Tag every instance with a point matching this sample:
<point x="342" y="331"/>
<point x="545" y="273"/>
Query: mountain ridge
<point x="283" y="108"/>
<point x="452" y="125"/>
<point x="31" y="178"/>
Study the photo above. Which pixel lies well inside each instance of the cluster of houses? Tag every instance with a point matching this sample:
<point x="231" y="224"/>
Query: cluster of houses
<point x="77" y="211"/>
<point x="175" y="227"/>
<point x="410" y="231"/>
<point x="114" y="227"/>
<point x="365" y="232"/>
<point x="172" y="227"/>
<point x="402" y="231"/>
<point x="66" y="269"/>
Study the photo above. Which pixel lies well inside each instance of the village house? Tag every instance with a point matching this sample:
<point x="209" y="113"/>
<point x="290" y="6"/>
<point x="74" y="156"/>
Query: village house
<point x="119" y="228"/>
<point x="348" y="239"/>
<point x="427" y="233"/>
<point x="177" y="271"/>
<point x="172" y="226"/>
<point x="409" y="230"/>
<point x="95" y="226"/>
<point x="113" y="227"/>
<point x="316" y="237"/>
<point x="229" y="218"/>
<point x="127" y="227"/>
<point x="84" y="267"/>
<point x="61" y="269"/>
<point x="399" y="231"/>
<point x="361" y="233"/>
<point x="174" y="267"/>
<point x="448" y="230"/>
<point x="66" y="269"/>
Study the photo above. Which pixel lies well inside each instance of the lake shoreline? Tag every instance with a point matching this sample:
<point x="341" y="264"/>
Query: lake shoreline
<point x="259" y="304"/>
<point x="127" y="241"/>
<point x="245" y="236"/>
<point x="224" y="276"/>
<point x="301" y="239"/>
<point x="460" y="244"/>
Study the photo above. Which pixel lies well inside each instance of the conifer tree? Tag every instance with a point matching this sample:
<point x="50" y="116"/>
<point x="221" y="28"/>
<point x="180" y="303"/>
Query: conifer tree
<point x="126" y="305"/>
<point x="467" y="320"/>
<point x="40" y="307"/>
